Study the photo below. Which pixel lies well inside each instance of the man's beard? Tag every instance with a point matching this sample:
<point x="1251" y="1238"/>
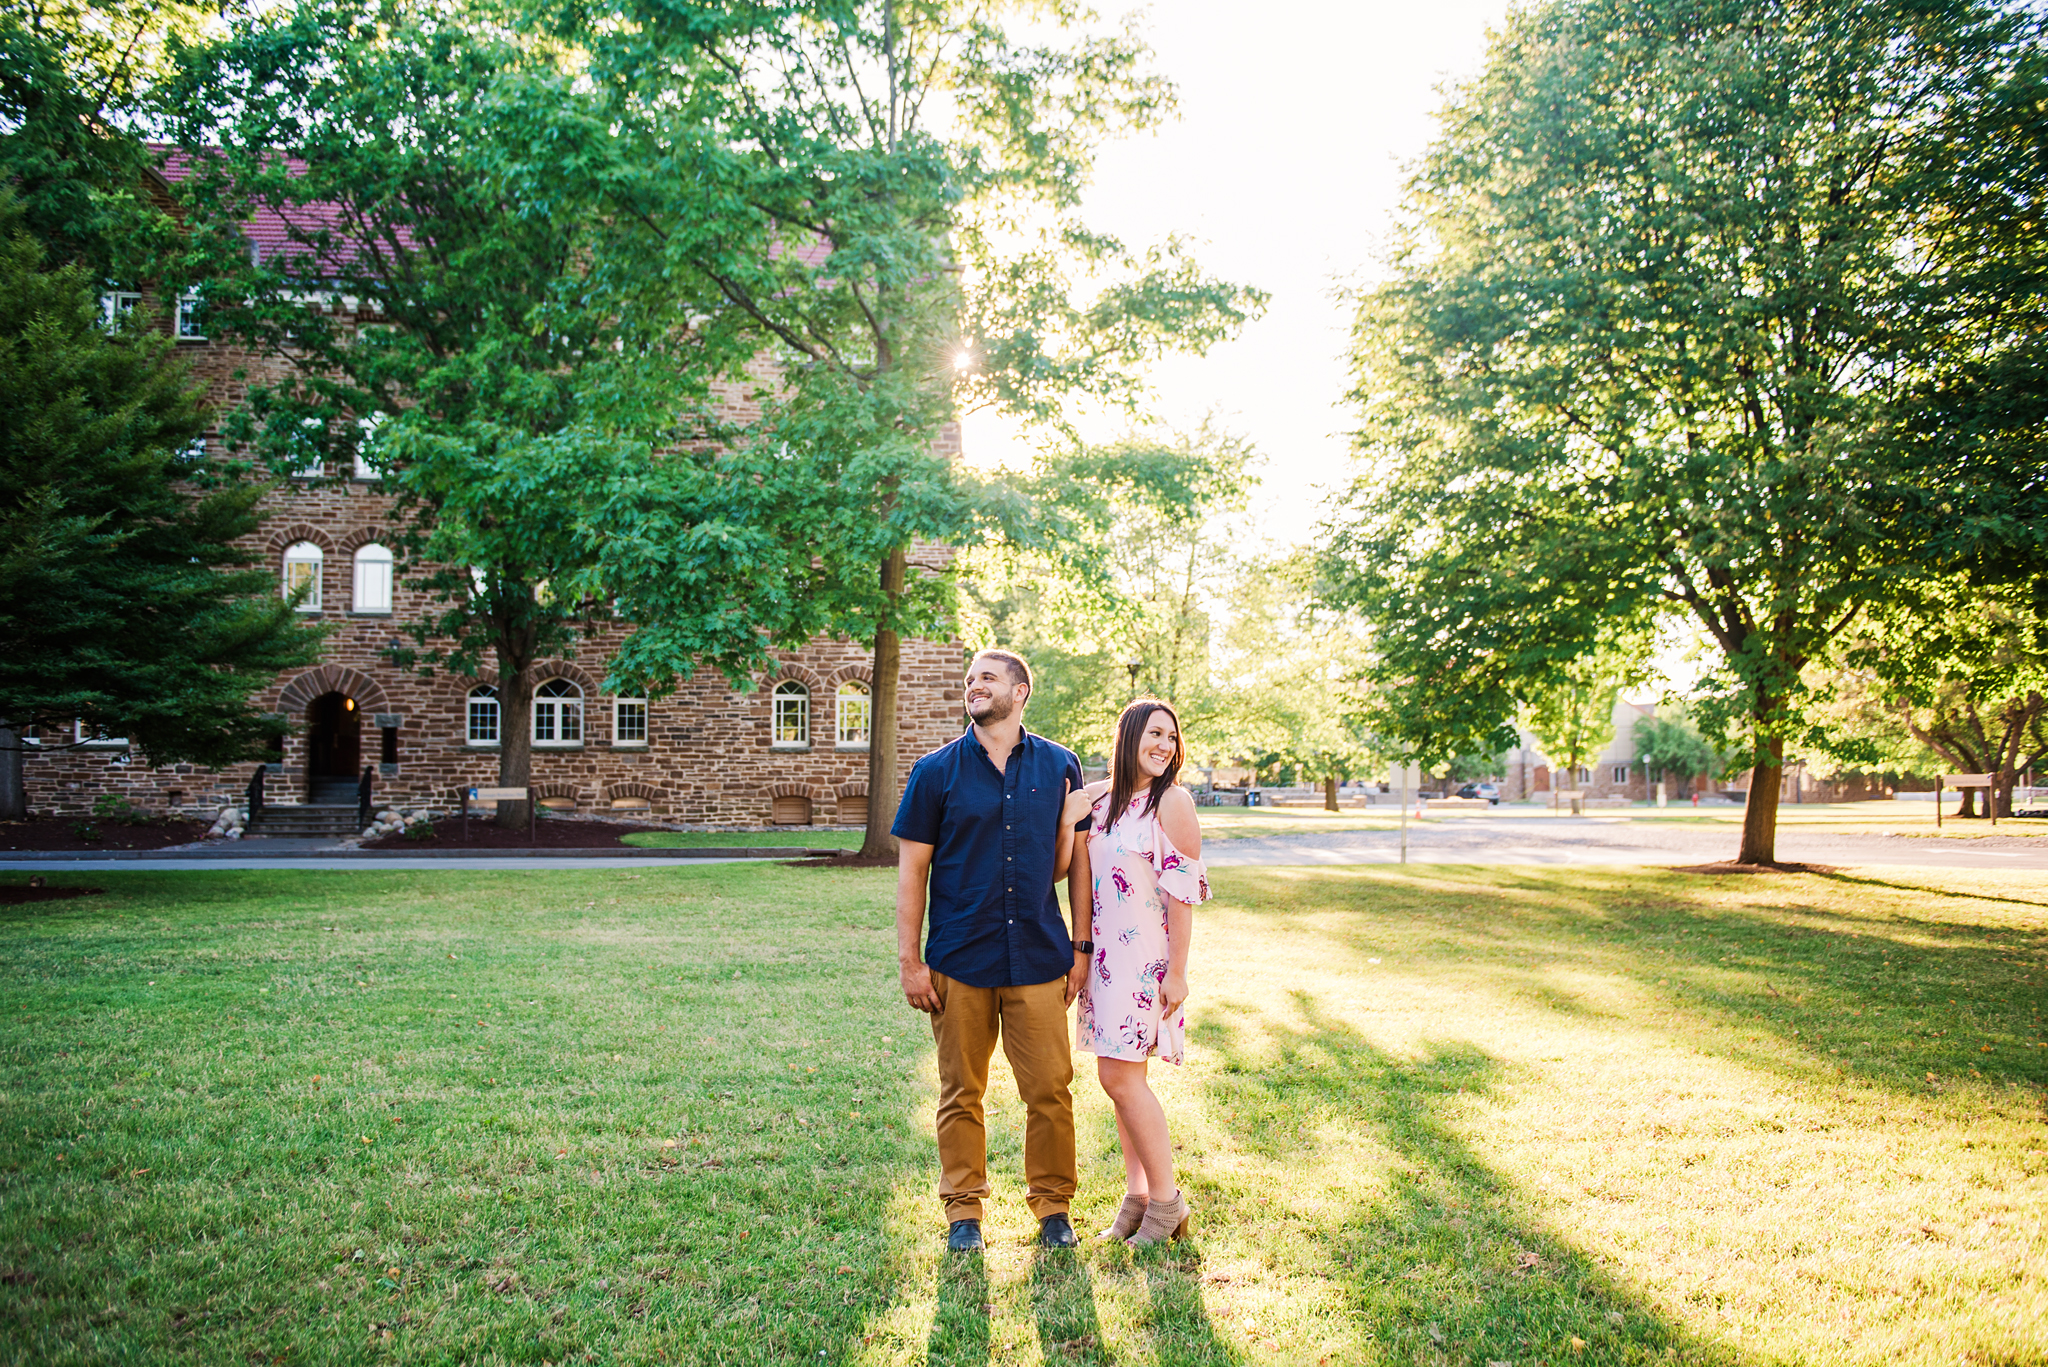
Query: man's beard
<point x="997" y="708"/>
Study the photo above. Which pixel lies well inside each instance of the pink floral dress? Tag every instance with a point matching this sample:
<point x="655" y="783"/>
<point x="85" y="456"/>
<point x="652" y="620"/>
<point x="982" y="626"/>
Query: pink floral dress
<point x="1135" y="869"/>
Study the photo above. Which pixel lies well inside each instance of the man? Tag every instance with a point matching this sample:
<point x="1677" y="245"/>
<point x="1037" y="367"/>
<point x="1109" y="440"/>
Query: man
<point x="979" y="828"/>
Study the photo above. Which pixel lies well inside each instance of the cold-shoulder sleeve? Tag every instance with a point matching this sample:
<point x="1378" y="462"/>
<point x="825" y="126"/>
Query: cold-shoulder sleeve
<point x="1181" y="877"/>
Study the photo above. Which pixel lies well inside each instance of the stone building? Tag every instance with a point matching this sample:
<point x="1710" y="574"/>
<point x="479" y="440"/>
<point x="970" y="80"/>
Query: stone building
<point x="793" y="749"/>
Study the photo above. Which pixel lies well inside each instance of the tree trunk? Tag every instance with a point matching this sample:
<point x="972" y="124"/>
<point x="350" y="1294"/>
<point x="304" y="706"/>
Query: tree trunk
<point x="515" y="729"/>
<point x="884" y="787"/>
<point x="13" y="788"/>
<point x="1760" y="813"/>
<point x="1329" y="792"/>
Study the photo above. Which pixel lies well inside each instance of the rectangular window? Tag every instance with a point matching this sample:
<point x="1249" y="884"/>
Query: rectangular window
<point x="792" y="717"/>
<point x="84" y="734"/>
<point x="1621" y="773"/>
<point x="297" y="572"/>
<point x="855" y="710"/>
<point x="116" y="305"/>
<point x="629" y="721"/>
<point x="191" y="323"/>
<point x="373" y="580"/>
<point x="483" y="720"/>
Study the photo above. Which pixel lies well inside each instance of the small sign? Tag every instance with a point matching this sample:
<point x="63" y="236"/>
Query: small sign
<point x="1966" y="780"/>
<point x="497" y="794"/>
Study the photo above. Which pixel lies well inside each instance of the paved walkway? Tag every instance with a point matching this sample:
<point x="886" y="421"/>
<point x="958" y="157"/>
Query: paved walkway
<point x="1468" y="840"/>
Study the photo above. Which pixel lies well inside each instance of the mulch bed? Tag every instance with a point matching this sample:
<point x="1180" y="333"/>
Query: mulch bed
<point x="1730" y="867"/>
<point x="58" y="833"/>
<point x="20" y="894"/>
<point x="486" y="834"/>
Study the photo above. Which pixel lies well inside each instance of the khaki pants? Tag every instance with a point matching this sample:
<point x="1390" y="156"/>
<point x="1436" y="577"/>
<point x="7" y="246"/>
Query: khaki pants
<point x="1033" y="1024"/>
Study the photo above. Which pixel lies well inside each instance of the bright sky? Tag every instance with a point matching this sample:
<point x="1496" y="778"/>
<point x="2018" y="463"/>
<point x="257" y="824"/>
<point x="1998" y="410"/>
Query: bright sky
<point x="1297" y="117"/>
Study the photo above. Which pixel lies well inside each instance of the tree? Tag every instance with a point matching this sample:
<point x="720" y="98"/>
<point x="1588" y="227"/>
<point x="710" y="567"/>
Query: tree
<point x="1570" y="710"/>
<point x="126" y="607"/>
<point x="75" y="80"/>
<point x="896" y="267"/>
<point x="1713" y="309"/>
<point x="1963" y="670"/>
<point x="525" y="370"/>
<point x="1671" y="743"/>
<point x="1123" y="590"/>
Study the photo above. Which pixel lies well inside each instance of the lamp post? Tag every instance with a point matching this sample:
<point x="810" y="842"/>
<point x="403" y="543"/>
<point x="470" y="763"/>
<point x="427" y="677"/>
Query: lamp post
<point x="1134" y="663"/>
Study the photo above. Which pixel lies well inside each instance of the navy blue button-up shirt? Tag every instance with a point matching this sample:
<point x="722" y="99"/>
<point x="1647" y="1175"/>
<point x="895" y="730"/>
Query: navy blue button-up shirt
<point x="993" y="915"/>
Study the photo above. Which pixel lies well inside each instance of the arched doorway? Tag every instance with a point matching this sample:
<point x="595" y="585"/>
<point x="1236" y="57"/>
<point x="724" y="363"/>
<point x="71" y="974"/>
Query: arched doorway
<point x="334" y="747"/>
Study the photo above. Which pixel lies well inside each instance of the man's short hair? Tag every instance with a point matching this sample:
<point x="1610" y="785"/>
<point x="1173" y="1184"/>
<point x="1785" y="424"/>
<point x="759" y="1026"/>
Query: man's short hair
<point x="1020" y="672"/>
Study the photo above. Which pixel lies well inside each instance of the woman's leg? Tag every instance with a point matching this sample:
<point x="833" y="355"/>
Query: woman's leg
<point x="1140" y="1128"/>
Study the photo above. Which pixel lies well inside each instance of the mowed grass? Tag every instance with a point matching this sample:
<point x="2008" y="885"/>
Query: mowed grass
<point x="1430" y="1116"/>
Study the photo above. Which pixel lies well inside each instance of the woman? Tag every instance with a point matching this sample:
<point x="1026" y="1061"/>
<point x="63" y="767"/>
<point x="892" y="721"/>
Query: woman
<point x="1141" y="868"/>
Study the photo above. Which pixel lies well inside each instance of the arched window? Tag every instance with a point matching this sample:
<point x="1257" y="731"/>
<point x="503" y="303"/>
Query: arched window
<point x="792" y="714"/>
<point x="302" y="566"/>
<point x="483" y="715"/>
<point x="856" y="714"/>
<point x="373" y="579"/>
<point x="558" y="713"/>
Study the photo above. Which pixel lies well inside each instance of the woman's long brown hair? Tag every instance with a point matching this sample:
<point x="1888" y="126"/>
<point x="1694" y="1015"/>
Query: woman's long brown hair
<point x="1123" y="765"/>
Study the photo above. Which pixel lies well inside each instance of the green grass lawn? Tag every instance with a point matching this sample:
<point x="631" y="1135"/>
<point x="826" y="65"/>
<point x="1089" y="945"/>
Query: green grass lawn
<point x="803" y="837"/>
<point x="681" y="1115"/>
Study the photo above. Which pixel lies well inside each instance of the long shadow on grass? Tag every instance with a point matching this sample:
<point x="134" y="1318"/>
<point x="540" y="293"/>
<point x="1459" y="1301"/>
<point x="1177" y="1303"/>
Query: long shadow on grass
<point x="1773" y="979"/>
<point x="1446" y="1263"/>
<point x="1063" y="1304"/>
<point x="960" y="1323"/>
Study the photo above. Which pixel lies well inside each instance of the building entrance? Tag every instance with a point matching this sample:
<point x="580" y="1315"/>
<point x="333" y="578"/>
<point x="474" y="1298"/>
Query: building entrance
<point x="334" y="740"/>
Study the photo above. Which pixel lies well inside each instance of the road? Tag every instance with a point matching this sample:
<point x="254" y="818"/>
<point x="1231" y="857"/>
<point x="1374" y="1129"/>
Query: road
<point x="1592" y="840"/>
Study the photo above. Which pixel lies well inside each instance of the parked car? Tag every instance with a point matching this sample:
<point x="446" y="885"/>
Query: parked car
<point x="1489" y="791"/>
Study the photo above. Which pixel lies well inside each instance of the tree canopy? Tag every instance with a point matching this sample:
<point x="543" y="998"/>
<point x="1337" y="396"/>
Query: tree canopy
<point x="1716" y="309"/>
<point x="127" y="609"/>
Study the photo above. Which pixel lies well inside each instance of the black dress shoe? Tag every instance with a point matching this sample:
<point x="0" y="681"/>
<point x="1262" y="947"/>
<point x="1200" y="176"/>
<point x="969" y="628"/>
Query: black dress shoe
<point x="1056" y="1231"/>
<point x="964" y="1236"/>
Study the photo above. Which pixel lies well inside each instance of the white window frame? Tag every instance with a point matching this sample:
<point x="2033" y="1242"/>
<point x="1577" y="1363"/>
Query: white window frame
<point x="189" y="321"/>
<point x="624" y="711"/>
<point x="304" y="553"/>
<point x="789" y="696"/>
<point x="368" y="426"/>
<point x="1621" y="773"/>
<point x="858" y="699"/>
<point x="482" y="700"/>
<point x="1584" y="777"/>
<point x="82" y="735"/>
<point x="364" y="601"/>
<point x="557" y="714"/>
<point x="116" y="305"/>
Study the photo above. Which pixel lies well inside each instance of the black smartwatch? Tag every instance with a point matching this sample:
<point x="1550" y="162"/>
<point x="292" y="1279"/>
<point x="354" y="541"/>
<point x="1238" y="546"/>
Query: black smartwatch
<point x="1084" y="946"/>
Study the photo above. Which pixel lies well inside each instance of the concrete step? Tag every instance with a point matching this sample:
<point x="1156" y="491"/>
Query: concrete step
<point x="306" y="819"/>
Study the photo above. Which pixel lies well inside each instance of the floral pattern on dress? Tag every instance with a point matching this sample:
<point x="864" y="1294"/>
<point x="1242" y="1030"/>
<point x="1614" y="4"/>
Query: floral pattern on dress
<point x="1135" y="868"/>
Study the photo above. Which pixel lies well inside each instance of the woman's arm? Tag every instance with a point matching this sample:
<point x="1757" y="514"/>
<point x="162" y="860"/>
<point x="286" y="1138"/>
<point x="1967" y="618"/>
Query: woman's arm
<point x="1080" y="915"/>
<point x="1180" y="931"/>
<point x="1177" y="818"/>
<point x="1183" y="827"/>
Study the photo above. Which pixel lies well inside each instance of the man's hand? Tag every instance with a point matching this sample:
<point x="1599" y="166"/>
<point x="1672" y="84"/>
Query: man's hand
<point x="1173" y="993"/>
<point x="1076" y="975"/>
<point x="918" y="989"/>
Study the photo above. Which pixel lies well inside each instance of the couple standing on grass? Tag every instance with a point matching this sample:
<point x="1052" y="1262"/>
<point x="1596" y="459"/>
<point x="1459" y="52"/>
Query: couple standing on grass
<point x="986" y="829"/>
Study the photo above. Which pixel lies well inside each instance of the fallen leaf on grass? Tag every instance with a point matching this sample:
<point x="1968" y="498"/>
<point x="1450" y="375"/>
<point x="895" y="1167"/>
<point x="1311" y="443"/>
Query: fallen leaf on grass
<point x="1578" y="1344"/>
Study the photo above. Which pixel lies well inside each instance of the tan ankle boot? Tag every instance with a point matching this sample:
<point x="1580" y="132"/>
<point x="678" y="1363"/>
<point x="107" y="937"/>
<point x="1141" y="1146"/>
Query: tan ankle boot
<point x="1163" y="1220"/>
<point x="1128" y="1217"/>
